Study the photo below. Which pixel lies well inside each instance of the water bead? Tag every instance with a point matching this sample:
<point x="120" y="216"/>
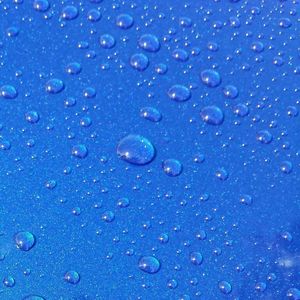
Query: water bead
<point x="179" y="93"/>
<point x="89" y="93"/>
<point x="260" y="287"/>
<point x="108" y="216"/>
<point x="264" y="136"/>
<point x="222" y="174"/>
<point x="172" y="167"/>
<point x="50" y="184"/>
<point x="41" y="5"/>
<point x="150" y="114"/>
<point x="8" y="92"/>
<point x="161" y="69"/>
<point x="285" y="23"/>
<point x="136" y="149"/>
<point x="163" y="238"/>
<point x="69" y="12"/>
<point x="54" y="86"/>
<point x="292" y="111"/>
<point x="225" y="287"/>
<point x="80" y="151"/>
<point x="293" y="294"/>
<point x="246" y="199"/>
<point x="4" y="144"/>
<point x="257" y="47"/>
<point x="210" y="78"/>
<point x="196" y="258"/>
<point x="185" y="22"/>
<point x="72" y="277"/>
<point x="73" y="68"/>
<point x="149" y="264"/>
<point x="85" y="122"/>
<point x="32" y="117"/>
<point x="12" y="31"/>
<point x="9" y="281"/>
<point x="69" y="102"/>
<point x="123" y="202"/>
<point x="230" y="91"/>
<point x="286" y="167"/>
<point x="139" y="61"/>
<point x="124" y="21"/>
<point x="241" y="110"/>
<point x="107" y="41"/>
<point x="180" y="55"/>
<point x="24" y="240"/>
<point x="212" y="115"/>
<point x="94" y="15"/>
<point x="149" y="42"/>
<point x="172" y="284"/>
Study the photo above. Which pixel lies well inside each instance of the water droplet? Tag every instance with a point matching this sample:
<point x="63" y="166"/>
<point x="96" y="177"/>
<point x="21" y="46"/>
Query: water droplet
<point x="172" y="167"/>
<point x="9" y="281"/>
<point x="8" y="92"/>
<point x="241" y="110"/>
<point x="25" y="240"/>
<point x="212" y="115"/>
<point x="246" y="199"/>
<point x="73" y="68"/>
<point x="107" y="41"/>
<point x="136" y="149"/>
<point x="54" y="86"/>
<point x="149" y="264"/>
<point x="80" y="151"/>
<point x="32" y="117"/>
<point x="124" y="21"/>
<point x="264" y="136"/>
<point x="149" y="42"/>
<point x="179" y="93"/>
<point x="123" y="202"/>
<point x="222" y="174"/>
<point x="230" y="91"/>
<point x="69" y="12"/>
<point x="196" y="258"/>
<point x="286" y="167"/>
<point x="225" y="287"/>
<point x="211" y="78"/>
<point x="293" y="294"/>
<point x="72" y="277"/>
<point x="41" y="5"/>
<point x="108" y="216"/>
<point x="150" y="114"/>
<point x="94" y="15"/>
<point x="139" y="61"/>
<point x="33" y="297"/>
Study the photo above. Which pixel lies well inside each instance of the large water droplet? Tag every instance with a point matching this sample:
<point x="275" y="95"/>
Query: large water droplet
<point x="149" y="264"/>
<point x="25" y="240"/>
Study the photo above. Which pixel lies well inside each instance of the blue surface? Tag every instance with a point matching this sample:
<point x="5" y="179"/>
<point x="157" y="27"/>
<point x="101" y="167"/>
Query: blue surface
<point x="204" y="204"/>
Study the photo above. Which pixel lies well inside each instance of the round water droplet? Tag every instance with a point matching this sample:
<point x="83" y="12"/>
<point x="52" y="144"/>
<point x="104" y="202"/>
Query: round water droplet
<point x="180" y="55"/>
<point x="107" y="41"/>
<point x="179" y="93"/>
<point x="73" y="68"/>
<point x="139" y="61"/>
<point x="211" y="78"/>
<point x="241" y="110"/>
<point x="172" y="284"/>
<point x="25" y="240"/>
<point x="32" y="117"/>
<point x="136" y="149"/>
<point x="41" y="5"/>
<point x="123" y="202"/>
<point x="149" y="264"/>
<point x="54" y="86"/>
<point x="72" y="277"/>
<point x="69" y="12"/>
<point x="80" y="151"/>
<point x="149" y="42"/>
<point x="230" y="91"/>
<point x="94" y="15"/>
<point x="150" y="114"/>
<point x="212" y="115"/>
<point x="260" y="287"/>
<point x="172" y="167"/>
<point x="196" y="258"/>
<point x="286" y="167"/>
<point x="8" y="92"/>
<point x="225" y="287"/>
<point x="124" y="21"/>
<point x="246" y="199"/>
<point x="222" y="174"/>
<point x="9" y="281"/>
<point x="108" y="216"/>
<point x="264" y="136"/>
<point x="293" y="294"/>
